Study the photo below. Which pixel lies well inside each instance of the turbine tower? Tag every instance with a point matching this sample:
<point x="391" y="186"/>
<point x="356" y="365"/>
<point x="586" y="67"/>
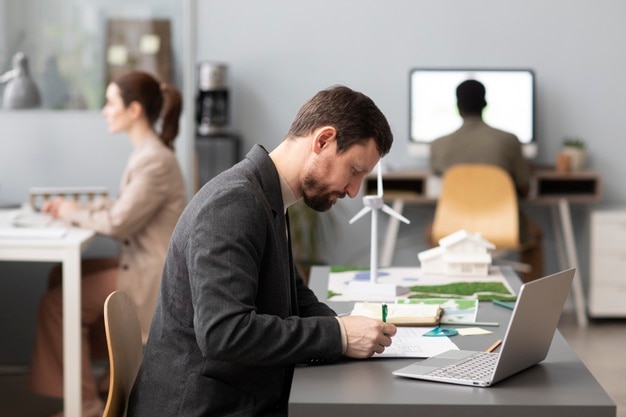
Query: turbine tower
<point x="375" y="203"/>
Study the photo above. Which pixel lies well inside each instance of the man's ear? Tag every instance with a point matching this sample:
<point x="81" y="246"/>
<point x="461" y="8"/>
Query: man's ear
<point x="323" y="136"/>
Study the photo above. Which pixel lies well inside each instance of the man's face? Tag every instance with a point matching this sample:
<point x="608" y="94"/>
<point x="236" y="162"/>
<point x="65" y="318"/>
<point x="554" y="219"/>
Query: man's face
<point x="333" y="175"/>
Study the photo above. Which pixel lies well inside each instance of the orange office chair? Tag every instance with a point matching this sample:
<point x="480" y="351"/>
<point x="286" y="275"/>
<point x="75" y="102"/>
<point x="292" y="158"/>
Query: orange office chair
<point x="125" y="350"/>
<point x="479" y="198"/>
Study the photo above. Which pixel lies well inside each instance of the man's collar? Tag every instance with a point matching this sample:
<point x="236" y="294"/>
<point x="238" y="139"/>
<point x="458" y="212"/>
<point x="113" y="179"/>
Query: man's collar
<point x="289" y="198"/>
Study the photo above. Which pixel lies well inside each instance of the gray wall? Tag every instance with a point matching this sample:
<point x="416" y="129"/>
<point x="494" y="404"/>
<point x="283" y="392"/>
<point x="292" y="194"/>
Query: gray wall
<point x="280" y="52"/>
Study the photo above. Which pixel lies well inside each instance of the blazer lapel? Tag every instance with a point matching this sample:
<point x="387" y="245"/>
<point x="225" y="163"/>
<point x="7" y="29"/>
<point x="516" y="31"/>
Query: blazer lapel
<point x="292" y="273"/>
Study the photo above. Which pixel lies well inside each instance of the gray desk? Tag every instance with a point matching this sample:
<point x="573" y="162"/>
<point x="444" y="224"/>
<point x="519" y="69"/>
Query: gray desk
<point x="559" y="386"/>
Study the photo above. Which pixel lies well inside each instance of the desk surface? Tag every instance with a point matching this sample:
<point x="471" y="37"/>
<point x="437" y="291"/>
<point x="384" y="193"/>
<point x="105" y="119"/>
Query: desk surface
<point x="560" y="386"/>
<point x="36" y="249"/>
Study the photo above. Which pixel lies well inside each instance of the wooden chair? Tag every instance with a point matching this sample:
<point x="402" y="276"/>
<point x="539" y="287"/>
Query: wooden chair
<point x="479" y="198"/>
<point x="125" y="350"/>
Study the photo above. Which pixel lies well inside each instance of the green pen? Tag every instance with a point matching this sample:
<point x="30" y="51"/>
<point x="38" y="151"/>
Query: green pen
<point x="384" y="313"/>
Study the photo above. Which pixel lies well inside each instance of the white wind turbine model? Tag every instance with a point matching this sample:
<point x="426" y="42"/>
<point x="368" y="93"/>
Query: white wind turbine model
<point x="374" y="203"/>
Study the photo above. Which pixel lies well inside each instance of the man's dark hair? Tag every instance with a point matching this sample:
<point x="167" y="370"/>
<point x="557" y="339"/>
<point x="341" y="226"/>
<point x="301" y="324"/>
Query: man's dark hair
<point x="470" y="96"/>
<point x="354" y="115"/>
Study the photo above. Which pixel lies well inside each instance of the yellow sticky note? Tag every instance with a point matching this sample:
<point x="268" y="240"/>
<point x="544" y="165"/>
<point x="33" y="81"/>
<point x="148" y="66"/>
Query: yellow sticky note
<point x="472" y="331"/>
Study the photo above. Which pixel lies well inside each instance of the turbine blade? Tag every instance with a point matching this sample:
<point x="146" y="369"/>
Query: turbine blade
<point x="360" y="214"/>
<point x="395" y="214"/>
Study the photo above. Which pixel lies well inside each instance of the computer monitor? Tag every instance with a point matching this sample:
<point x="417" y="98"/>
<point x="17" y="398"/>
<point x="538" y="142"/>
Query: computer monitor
<point x="510" y="96"/>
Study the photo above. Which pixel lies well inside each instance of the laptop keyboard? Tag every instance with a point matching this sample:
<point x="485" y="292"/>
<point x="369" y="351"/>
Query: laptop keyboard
<point x="478" y="366"/>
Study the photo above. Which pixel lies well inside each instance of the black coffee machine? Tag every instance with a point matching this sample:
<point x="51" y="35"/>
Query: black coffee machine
<point x="217" y="148"/>
<point x="212" y="100"/>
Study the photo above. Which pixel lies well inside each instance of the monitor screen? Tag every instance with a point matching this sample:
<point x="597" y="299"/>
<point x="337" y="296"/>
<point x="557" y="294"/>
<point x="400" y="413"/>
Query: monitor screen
<point x="433" y="111"/>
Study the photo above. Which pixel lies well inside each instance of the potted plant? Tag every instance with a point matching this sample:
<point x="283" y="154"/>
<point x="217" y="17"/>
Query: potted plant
<point x="575" y="149"/>
<point x="308" y="233"/>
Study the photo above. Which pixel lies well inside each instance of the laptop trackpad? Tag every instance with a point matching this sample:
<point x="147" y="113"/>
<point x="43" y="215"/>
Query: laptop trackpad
<point x="434" y="362"/>
<point x="444" y="359"/>
<point x="455" y="354"/>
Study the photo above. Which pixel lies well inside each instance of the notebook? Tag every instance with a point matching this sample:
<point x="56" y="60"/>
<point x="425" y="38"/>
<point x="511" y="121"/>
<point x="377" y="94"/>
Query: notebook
<point x="526" y="342"/>
<point x="401" y="314"/>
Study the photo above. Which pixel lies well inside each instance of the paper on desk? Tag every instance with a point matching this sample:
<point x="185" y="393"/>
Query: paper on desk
<point x="32" y="220"/>
<point x="32" y="232"/>
<point x="409" y="342"/>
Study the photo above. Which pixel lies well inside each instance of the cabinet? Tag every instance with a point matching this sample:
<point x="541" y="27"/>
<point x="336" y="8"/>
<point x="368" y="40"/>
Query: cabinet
<point x="607" y="281"/>
<point x="215" y="153"/>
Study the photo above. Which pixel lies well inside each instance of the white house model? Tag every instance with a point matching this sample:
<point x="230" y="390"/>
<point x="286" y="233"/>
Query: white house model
<point x="460" y="254"/>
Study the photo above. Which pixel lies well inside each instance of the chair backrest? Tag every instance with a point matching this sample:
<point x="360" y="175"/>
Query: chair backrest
<point x="479" y="198"/>
<point x="125" y="350"/>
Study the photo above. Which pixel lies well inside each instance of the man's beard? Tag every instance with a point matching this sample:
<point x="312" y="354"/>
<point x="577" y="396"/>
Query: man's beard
<point x="316" y="196"/>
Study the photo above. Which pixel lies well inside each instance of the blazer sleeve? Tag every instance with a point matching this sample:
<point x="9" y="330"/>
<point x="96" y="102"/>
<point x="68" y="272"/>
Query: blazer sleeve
<point x="140" y="198"/>
<point x="309" y="304"/>
<point x="240" y="287"/>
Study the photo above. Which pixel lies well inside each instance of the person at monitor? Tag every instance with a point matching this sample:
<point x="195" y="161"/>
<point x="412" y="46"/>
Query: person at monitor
<point x="477" y="142"/>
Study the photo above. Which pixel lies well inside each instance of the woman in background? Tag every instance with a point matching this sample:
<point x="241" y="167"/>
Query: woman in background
<point x="141" y="219"/>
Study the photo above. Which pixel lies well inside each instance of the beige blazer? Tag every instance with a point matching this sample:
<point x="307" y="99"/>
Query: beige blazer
<point x="142" y="218"/>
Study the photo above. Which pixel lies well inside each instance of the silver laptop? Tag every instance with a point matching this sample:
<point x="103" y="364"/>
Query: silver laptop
<point x="526" y="342"/>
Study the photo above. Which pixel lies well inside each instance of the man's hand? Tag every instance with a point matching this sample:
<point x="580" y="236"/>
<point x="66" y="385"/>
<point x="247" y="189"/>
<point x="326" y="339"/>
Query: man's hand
<point x="366" y="336"/>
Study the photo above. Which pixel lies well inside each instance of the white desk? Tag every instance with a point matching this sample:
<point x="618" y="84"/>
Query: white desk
<point x="66" y="250"/>
<point x="547" y="187"/>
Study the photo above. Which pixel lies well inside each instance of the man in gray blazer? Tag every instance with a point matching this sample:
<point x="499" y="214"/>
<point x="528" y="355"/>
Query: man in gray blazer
<point x="233" y="315"/>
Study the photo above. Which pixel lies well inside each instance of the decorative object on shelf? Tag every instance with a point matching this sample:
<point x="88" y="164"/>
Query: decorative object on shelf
<point x="563" y="162"/>
<point x="54" y="88"/>
<point x="20" y="91"/>
<point x="138" y="44"/>
<point x="575" y="149"/>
